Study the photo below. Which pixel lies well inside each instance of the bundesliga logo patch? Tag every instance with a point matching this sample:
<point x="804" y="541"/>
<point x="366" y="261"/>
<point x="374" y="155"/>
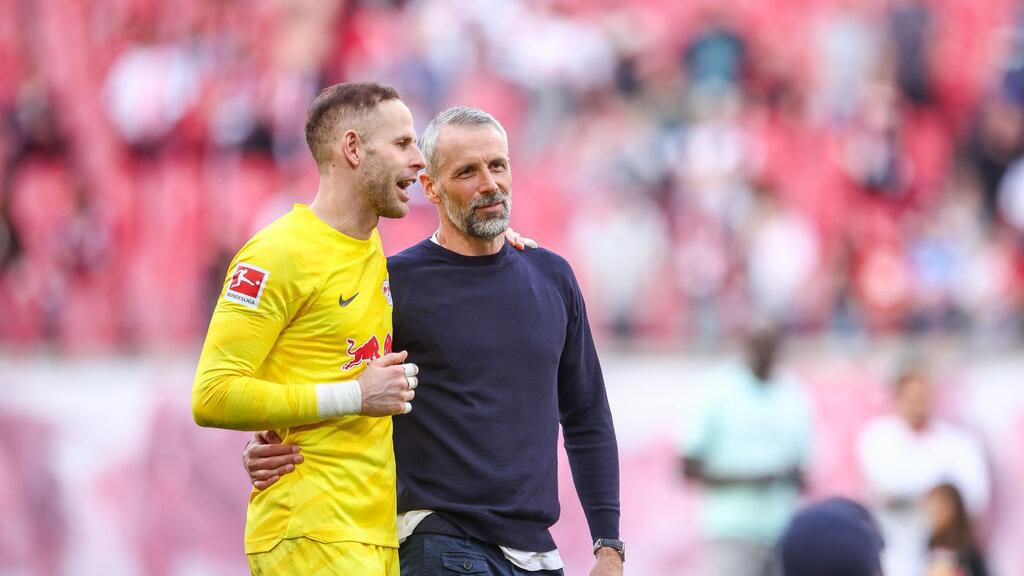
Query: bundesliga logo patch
<point x="246" y="285"/>
<point x="386" y="289"/>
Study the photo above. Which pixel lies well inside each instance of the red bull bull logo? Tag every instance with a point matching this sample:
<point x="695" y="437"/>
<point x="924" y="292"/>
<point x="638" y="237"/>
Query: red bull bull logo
<point x="366" y="352"/>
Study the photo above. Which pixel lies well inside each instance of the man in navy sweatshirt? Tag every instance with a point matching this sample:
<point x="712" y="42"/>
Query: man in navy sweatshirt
<point x="505" y="353"/>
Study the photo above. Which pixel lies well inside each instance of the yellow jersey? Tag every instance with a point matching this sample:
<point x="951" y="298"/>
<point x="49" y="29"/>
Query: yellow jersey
<point x="304" y="304"/>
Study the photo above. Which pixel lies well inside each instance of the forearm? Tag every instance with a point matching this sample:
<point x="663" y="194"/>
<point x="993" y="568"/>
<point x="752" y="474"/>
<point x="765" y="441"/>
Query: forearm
<point x="590" y="444"/>
<point x="247" y="403"/>
<point x="594" y="461"/>
<point x="227" y="393"/>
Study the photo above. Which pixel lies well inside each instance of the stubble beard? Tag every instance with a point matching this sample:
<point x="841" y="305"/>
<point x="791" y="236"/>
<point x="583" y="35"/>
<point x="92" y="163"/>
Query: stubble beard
<point x="379" y="190"/>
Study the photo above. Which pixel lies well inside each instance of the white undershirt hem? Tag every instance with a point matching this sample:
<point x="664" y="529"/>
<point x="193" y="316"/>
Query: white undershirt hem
<point x="531" y="561"/>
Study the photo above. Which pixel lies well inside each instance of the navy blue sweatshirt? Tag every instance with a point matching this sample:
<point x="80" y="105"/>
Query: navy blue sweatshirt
<point x="505" y="355"/>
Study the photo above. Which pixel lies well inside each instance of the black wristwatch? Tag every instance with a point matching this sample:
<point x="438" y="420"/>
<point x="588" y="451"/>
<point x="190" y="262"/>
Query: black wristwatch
<point x="617" y="545"/>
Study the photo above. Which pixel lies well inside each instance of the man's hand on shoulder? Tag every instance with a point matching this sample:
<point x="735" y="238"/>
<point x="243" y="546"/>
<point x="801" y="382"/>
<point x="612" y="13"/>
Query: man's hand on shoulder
<point x="266" y="459"/>
<point x="518" y="241"/>
<point x="606" y="563"/>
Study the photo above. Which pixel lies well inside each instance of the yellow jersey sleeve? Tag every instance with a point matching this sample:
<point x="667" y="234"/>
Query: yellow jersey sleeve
<point x="253" y="308"/>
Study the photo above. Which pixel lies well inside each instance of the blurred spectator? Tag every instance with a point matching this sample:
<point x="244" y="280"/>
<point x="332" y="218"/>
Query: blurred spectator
<point x="32" y="126"/>
<point x="713" y="205"/>
<point x="622" y="243"/>
<point x="10" y="247"/>
<point x="953" y="544"/>
<point x="704" y="265"/>
<point x="997" y="140"/>
<point x="905" y="455"/>
<point x="748" y="447"/>
<point x="874" y="157"/>
<point x="714" y="60"/>
<point x="848" y="46"/>
<point x="782" y="256"/>
<point x="714" y="161"/>
<point x="836" y="537"/>
<point x="911" y="29"/>
<point x="1012" y="81"/>
<point x="882" y="277"/>
<point x="1010" y="197"/>
<point x="150" y="88"/>
<point x="939" y="256"/>
<point x="83" y="239"/>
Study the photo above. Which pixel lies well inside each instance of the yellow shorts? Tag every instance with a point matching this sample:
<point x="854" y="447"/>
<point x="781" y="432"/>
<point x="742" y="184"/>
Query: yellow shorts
<point x="302" y="556"/>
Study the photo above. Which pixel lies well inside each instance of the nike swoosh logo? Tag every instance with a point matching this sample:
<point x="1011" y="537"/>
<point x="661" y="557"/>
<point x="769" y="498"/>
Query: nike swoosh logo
<point x="342" y="301"/>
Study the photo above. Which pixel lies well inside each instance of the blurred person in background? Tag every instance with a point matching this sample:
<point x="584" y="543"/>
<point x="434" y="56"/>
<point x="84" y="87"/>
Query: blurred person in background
<point x="783" y="253"/>
<point x="623" y="239"/>
<point x="275" y="357"/>
<point x="150" y="88"/>
<point x="874" y="156"/>
<point x="911" y="32"/>
<point x="848" y="48"/>
<point x="507" y="355"/>
<point x="996" y="141"/>
<point x="749" y="448"/>
<point x="953" y="544"/>
<point x="905" y="455"/>
<point x="715" y="59"/>
<point x="836" y="537"/>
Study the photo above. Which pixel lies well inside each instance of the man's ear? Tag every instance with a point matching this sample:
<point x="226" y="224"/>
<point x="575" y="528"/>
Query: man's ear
<point x="351" y="148"/>
<point x="428" y="188"/>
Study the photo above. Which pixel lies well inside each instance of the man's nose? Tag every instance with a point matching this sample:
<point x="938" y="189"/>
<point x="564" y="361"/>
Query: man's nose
<point x="488" y="184"/>
<point x="418" y="162"/>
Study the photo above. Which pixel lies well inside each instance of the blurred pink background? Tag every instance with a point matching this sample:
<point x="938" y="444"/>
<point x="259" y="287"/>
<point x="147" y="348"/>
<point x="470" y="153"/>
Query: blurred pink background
<point x="105" y="472"/>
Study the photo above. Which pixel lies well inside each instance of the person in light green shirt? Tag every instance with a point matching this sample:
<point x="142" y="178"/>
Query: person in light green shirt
<point x="748" y="446"/>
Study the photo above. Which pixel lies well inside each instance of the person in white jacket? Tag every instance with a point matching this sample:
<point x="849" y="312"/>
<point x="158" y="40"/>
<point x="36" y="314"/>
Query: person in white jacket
<point x="906" y="454"/>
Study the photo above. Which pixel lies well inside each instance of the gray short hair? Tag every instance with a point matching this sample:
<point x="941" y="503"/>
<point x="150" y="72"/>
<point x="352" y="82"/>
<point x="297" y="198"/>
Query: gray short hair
<point x="454" y="116"/>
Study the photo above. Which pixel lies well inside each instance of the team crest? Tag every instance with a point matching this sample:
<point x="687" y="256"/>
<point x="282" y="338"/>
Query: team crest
<point x="386" y="289"/>
<point x="246" y="285"/>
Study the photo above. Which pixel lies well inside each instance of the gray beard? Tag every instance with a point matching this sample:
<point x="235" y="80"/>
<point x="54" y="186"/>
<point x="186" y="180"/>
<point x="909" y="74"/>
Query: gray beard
<point x="484" y="228"/>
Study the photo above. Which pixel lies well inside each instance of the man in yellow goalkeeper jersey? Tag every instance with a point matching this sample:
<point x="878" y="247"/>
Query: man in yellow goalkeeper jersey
<point x="300" y="343"/>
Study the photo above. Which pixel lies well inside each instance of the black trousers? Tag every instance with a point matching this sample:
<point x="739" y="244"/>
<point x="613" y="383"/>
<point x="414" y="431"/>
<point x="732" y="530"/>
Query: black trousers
<point x="425" y="554"/>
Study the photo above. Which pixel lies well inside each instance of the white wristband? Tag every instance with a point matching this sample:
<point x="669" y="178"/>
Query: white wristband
<point x="340" y="399"/>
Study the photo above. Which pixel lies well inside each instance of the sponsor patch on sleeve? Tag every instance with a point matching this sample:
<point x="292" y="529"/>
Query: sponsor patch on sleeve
<point x="246" y="285"/>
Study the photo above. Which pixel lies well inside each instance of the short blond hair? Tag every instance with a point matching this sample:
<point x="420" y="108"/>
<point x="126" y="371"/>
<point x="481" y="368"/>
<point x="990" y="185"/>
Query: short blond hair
<point x="342" y="107"/>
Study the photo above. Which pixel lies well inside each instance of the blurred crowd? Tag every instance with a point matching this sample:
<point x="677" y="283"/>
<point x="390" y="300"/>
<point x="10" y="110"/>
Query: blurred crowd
<point x="842" y="166"/>
<point x="927" y="485"/>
